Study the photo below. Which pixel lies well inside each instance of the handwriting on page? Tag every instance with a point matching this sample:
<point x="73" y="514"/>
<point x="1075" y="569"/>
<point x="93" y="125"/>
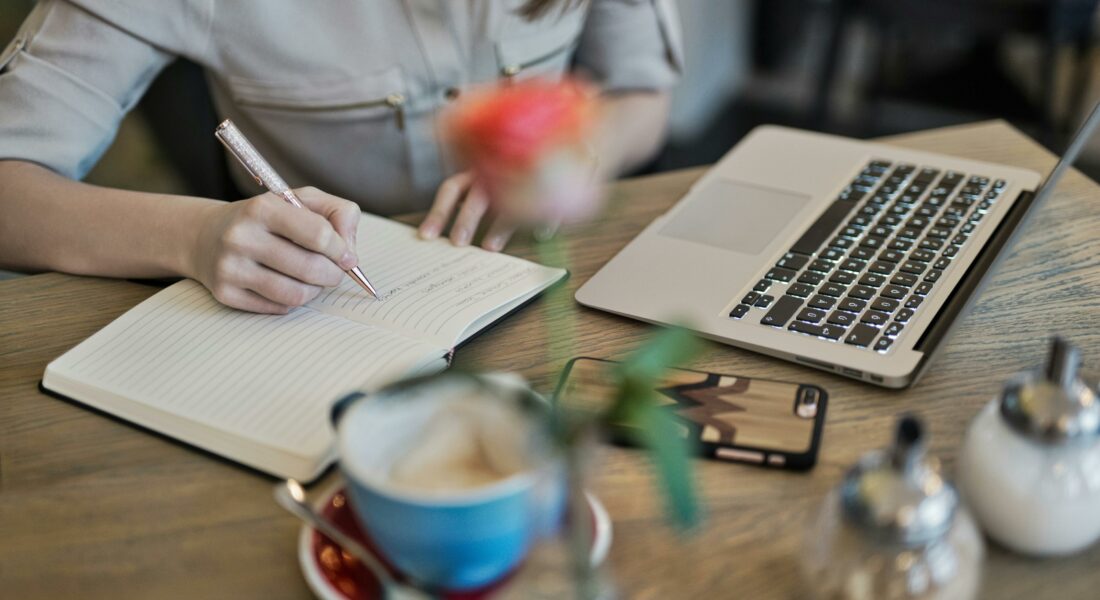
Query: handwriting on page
<point x="268" y="378"/>
<point x="432" y="290"/>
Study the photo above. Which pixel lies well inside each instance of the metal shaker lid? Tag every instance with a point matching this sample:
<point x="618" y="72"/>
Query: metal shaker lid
<point x="1053" y="405"/>
<point x="897" y="495"/>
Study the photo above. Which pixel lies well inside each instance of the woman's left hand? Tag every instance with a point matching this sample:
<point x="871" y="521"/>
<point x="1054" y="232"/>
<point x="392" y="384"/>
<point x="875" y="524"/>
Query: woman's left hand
<point x="463" y="194"/>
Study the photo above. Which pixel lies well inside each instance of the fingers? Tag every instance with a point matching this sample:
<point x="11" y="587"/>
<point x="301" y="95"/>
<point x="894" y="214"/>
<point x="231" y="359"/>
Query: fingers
<point x="276" y="287"/>
<point x="342" y="214"/>
<point x="450" y="192"/>
<point x="290" y="259"/>
<point x="473" y="208"/>
<point x="498" y="235"/>
<point x="243" y="299"/>
<point x="303" y="227"/>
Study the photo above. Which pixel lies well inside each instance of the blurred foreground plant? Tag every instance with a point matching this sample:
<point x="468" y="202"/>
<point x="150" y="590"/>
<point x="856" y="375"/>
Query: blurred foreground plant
<point x="529" y="145"/>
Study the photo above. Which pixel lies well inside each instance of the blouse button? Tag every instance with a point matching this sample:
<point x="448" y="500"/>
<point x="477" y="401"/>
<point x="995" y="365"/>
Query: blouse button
<point x="451" y="93"/>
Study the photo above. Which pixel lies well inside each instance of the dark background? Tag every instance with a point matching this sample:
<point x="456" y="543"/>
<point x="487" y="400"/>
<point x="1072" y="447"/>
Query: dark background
<point x="861" y="68"/>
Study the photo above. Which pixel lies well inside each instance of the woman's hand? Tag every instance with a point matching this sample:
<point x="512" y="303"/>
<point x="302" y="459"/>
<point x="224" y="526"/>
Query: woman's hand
<point x="461" y="192"/>
<point x="265" y="255"/>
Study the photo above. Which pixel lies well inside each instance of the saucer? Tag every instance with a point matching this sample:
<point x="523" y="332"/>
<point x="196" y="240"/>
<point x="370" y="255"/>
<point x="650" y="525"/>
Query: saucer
<point x="333" y="574"/>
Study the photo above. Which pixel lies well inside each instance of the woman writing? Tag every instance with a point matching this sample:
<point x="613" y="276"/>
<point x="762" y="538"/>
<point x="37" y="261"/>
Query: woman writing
<point x="344" y="95"/>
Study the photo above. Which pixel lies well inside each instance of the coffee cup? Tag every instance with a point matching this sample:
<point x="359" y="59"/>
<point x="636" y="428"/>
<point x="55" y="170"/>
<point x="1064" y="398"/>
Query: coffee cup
<point x="453" y="476"/>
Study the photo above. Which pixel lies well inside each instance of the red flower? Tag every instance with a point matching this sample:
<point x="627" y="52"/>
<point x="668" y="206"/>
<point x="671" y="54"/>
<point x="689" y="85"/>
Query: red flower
<point x="527" y="142"/>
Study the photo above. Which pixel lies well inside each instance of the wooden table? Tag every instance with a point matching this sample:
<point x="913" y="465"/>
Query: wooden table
<point x="92" y="507"/>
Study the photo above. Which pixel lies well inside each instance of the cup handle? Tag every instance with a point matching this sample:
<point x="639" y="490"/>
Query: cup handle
<point x="342" y="405"/>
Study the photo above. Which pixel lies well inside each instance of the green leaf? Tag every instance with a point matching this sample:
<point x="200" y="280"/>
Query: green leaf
<point x="636" y="407"/>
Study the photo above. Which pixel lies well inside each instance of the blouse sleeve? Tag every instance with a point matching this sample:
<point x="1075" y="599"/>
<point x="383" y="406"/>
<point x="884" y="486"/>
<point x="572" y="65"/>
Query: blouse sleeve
<point x="631" y="44"/>
<point x="66" y="81"/>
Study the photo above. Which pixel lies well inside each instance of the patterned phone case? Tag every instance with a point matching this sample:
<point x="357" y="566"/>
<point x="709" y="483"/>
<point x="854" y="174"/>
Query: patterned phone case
<point x="770" y="423"/>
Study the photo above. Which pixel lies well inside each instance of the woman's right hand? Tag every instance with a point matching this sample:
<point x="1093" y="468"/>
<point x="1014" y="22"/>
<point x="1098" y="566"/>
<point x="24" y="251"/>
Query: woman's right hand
<point x="265" y="255"/>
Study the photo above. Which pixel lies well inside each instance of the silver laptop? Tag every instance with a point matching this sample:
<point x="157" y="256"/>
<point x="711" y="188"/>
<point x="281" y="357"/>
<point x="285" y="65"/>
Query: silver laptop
<point x="848" y="256"/>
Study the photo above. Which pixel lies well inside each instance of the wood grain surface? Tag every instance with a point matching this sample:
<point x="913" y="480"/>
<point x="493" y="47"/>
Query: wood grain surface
<point x="92" y="507"/>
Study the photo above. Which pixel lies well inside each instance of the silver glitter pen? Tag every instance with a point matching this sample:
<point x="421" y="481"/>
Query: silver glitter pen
<point x="261" y="171"/>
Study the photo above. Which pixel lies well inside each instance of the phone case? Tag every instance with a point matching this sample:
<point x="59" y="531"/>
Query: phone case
<point x="757" y="421"/>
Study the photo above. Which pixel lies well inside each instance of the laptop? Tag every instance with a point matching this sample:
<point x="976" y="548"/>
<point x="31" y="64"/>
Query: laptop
<point x="848" y="256"/>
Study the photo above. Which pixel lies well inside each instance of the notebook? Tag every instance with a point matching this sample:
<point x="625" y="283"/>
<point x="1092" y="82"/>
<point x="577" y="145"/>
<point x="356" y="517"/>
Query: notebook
<point x="257" y="388"/>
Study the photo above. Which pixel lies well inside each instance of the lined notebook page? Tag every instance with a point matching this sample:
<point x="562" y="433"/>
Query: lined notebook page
<point x="432" y="289"/>
<point x="267" y="379"/>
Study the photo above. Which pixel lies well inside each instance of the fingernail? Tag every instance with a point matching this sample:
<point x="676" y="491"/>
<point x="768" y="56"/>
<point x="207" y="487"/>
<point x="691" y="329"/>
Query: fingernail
<point x="462" y="237"/>
<point x="348" y="260"/>
<point x="495" y="244"/>
<point x="429" y="232"/>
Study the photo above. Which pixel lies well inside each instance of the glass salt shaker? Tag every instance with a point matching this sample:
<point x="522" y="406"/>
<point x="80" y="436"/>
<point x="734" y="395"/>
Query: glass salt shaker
<point x="1030" y="466"/>
<point x="894" y="529"/>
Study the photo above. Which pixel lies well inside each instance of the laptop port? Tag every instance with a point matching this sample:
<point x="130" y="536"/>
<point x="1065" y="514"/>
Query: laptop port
<point x="852" y="372"/>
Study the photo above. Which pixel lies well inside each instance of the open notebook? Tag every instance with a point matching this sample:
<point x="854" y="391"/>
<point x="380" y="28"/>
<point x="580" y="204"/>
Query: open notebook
<point x="257" y="388"/>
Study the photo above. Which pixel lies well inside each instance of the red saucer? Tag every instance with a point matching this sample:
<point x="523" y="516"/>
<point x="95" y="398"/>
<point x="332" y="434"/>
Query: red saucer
<point x="333" y="574"/>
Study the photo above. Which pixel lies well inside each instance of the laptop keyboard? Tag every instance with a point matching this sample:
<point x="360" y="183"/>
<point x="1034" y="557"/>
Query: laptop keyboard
<point x="861" y="272"/>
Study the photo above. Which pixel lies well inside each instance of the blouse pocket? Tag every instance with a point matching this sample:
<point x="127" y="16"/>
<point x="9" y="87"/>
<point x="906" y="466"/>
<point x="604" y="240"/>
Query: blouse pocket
<point x="545" y="52"/>
<point x="375" y="96"/>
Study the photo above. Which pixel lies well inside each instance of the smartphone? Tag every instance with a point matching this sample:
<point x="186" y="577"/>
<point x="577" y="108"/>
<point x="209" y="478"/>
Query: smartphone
<point x="768" y="423"/>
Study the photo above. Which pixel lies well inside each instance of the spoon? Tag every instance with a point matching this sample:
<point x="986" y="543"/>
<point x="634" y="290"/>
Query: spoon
<point x="292" y="497"/>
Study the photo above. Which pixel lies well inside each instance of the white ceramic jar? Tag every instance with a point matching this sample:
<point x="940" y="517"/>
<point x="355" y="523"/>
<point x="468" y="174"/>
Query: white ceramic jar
<point x="1030" y="465"/>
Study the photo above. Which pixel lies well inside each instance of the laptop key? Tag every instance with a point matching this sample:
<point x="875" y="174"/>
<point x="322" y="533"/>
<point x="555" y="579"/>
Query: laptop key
<point x="821" y="266"/>
<point x="793" y="261"/>
<point x="762" y="285"/>
<point x="830" y="289"/>
<point x="891" y="256"/>
<point x="853" y="265"/>
<point x="764" y="301"/>
<point x="739" y="311"/>
<point x="800" y="289"/>
<point x="887" y="305"/>
<point x="933" y="276"/>
<point x="750" y="298"/>
<point x="811" y="278"/>
<point x="872" y="279"/>
<point x="833" y="254"/>
<point x="780" y="274"/>
<point x="862" y="292"/>
<point x="872" y="241"/>
<point x="901" y="245"/>
<point x="833" y="331"/>
<point x="913" y="267"/>
<point x="851" y="304"/>
<point x="942" y="263"/>
<point x="861" y="253"/>
<point x="924" y="289"/>
<point x="861" y="335"/>
<point x="914" y="301"/>
<point x="822" y="302"/>
<point x="782" y="312"/>
<point x="841" y="242"/>
<point x="811" y="315"/>
<point x="894" y="292"/>
<point x="802" y="327"/>
<point x="873" y="317"/>
<point x="904" y="315"/>
<point x="813" y="238"/>
<point x="840" y="317"/>
<point x="882" y="267"/>
<point x="883" y="344"/>
<point x="842" y="277"/>
<point x="904" y="279"/>
<point x="950" y="251"/>
<point x="893" y="329"/>
<point x="922" y="255"/>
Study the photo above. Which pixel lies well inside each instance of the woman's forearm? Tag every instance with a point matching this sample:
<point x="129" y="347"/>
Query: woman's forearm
<point x="52" y="223"/>
<point x="632" y="130"/>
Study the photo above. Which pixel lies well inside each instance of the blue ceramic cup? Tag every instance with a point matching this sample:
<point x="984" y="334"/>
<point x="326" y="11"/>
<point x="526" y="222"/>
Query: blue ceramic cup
<point x="450" y="538"/>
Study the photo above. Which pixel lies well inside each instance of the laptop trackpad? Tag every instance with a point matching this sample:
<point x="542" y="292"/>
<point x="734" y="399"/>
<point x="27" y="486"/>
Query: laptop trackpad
<point x="736" y="216"/>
